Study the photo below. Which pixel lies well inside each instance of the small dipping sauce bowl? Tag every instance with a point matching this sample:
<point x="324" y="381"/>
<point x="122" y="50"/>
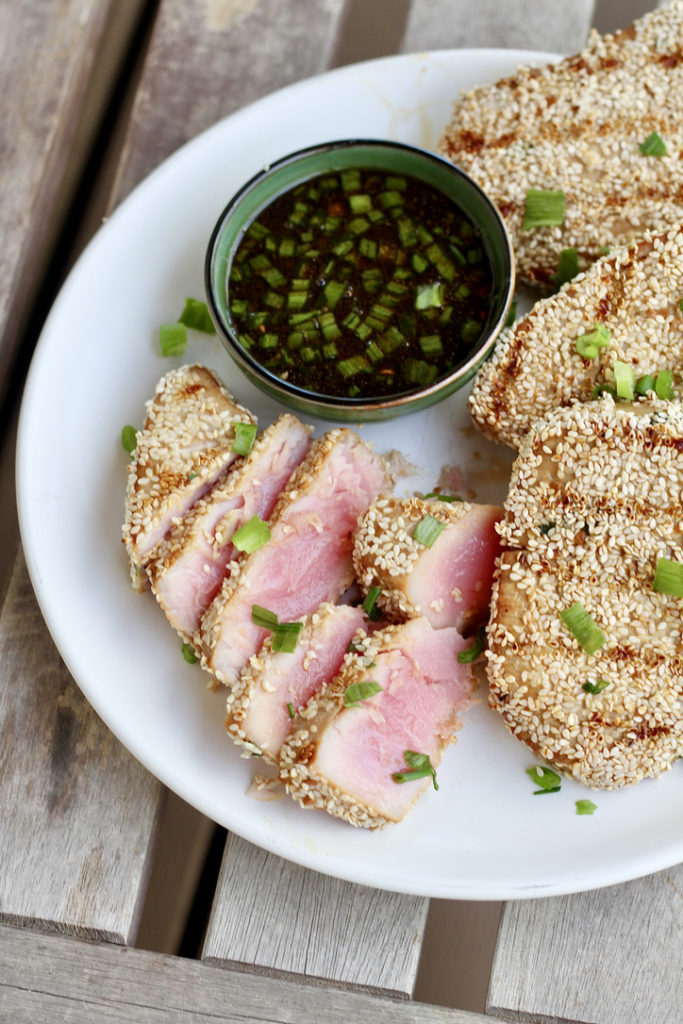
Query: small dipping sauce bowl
<point x="375" y="244"/>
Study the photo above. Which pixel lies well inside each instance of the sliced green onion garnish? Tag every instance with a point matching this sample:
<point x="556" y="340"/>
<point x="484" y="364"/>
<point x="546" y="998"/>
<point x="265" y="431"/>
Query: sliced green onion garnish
<point x="263" y="617"/>
<point x="604" y="389"/>
<point x="427" y="530"/>
<point x="625" y="380"/>
<point x="597" y="687"/>
<point x="173" y="339"/>
<point x="189" y="654"/>
<point x="286" y="636"/>
<point x="567" y="267"/>
<point x="357" y="692"/>
<point x="645" y="384"/>
<point x="585" y="807"/>
<point x="290" y="709"/>
<point x="196" y="315"/>
<point x="438" y="496"/>
<point x="420" y="765"/>
<point x="245" y="433"/>
<point x="653" y="145"/>
<point x="370" y="604"/>
<point x="548" y="780"/>
<point x="664" y="385"/>
<point x="583" y="627"/>
<point x="129" y="438"/>
<point x="252" y="535"/>
<point x="543" y="208"/>
<point x="471" y="653"/>
<point x="589" y="344"/>
<point x="668" y="577"/>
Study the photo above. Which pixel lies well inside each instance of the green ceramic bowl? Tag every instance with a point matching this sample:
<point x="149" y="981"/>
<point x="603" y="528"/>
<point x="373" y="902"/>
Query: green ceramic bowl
<point x="396" y="158"/>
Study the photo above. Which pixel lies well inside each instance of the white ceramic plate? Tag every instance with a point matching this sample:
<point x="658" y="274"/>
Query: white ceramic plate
<point x="483" y="835"/>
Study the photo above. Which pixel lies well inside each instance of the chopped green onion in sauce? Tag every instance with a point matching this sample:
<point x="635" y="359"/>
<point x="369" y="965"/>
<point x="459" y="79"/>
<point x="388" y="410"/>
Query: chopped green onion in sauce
<point x="597" y="687"/>
<point x="290" y="709"/>
<point x="357" y="692"/>
<point x="471" y="653"/>
<point x="543" y="207"/>
<point x="589" y="344"/>
<point x="624" y="379"/>
<point x="189" y="654"/>
<point x="583" y="627"/>
<point x="567" y="267"/>
<point x="370" y="604"/>
<point x="196" y="315"/>
<point x="585" y="807"/>
<point x="252" y="535"/>
<point x="348" y="287"/>
<point x="245" y="435"/>
<point x="668" y="578"/>
<point x="427" y="530"/>
<point x="653" y="145"/>
<point x="548" y="780"/>
<point x="129" y="438"/>
<point x="173" y="339"/>
<point x="420" y="768"/>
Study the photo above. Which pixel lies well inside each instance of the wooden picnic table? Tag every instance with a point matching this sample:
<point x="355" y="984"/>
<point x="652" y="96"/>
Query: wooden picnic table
<point x="96" y="859"/>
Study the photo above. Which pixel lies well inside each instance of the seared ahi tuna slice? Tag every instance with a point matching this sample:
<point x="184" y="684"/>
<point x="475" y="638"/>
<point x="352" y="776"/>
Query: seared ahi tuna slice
<point x="183" y="448"/>
<point x="431" y="558"/>
<point x="307" y="559"/>
<point x="342" y="759"/>
<point x="188" y="568"/>
<point x="275" y="685"/>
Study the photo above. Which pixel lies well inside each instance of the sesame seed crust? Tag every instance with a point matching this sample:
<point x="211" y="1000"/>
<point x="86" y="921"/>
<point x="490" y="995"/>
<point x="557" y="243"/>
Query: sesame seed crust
<point x="635" y="293"/>
<point x="265" y="662"/>
<point x="385" y="551"/>
<point x="339" y="450"/>
<point x="595" y="499"/>
<point x="576" y="126"/>
<point x="183" y="448"/>
<point x="298" y="771"/>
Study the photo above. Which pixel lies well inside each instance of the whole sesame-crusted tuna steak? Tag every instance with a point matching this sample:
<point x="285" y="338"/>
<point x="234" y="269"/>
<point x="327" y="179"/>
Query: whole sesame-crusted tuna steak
<point x="632" y="296"/>
<point x="585" y="653"/>
<point x="343" y="759"/>
<point x="274" y="686"/>
<point x="183" y="448"/>
<point x="187" y="569"/>
<point x="446" y="576"/>
<point x="577" y="127"/>
<point x="308" y="558"/>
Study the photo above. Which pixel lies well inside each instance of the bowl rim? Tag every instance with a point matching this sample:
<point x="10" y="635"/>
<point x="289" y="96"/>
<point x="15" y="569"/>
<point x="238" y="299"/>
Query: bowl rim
<point x="314" y="399"/>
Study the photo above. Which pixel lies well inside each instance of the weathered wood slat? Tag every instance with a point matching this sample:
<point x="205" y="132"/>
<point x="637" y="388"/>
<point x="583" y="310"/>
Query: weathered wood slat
<point x="49" y="110"/>
<point x="281" y="917"/>
<point x="78" y="812"/>
<point x="46" y="978"/>
<point x="210" y="57"/>
<point x="613" y="956"/>
<point x="522" y="24"/>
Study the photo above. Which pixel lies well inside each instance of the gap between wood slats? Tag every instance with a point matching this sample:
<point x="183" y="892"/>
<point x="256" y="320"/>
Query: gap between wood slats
<point x="46" y="978"/>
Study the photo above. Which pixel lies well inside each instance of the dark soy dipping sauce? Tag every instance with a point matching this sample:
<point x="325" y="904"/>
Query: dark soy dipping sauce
<point x="360" y="284"/>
